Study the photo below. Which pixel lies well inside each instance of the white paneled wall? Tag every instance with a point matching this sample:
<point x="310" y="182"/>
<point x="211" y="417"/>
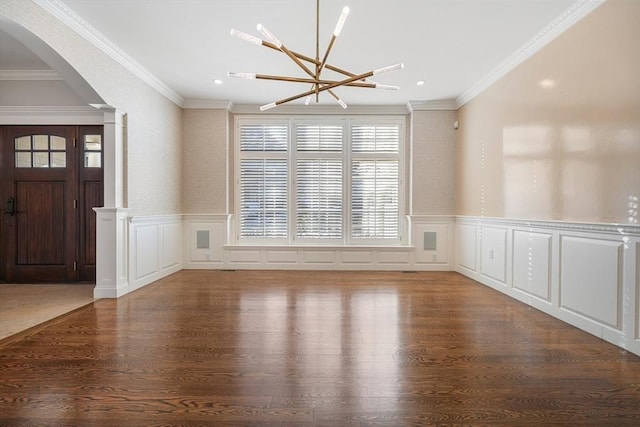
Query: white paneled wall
<point x="222" y="253"/>
<point x="584" y="274"/>
<point x="591" y="279"/>
<point x="493" y="253"/>
<point x="532" y="266"/>
<point x="155" y="248"/>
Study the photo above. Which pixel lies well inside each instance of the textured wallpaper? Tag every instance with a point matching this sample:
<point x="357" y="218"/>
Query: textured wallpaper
<point x="434" y="161"/>
<point x="205" y="161"/>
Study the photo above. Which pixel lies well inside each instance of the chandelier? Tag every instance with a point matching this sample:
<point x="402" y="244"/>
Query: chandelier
<point x="315" y="66"/>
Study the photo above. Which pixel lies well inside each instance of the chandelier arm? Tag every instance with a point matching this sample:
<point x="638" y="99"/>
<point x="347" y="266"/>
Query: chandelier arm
<point x="295" y="59"/>
<point x="309" y="59"/>
<point x="312" y="81"/>
<point x="336" y="84"/>
<point x="326" y="54"/>
<point x="327" y="87"/>
<point x="338" y="99"/>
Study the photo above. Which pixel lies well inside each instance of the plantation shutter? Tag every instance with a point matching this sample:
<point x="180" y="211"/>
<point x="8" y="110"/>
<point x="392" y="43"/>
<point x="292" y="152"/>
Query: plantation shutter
<point x="263" y="181"/>
<point x="375" y="182"/>
<point x="319" y="181"/>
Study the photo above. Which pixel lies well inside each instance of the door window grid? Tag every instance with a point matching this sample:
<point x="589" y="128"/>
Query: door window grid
<point x="40" y="151"/>
<point x="92" y="146"/>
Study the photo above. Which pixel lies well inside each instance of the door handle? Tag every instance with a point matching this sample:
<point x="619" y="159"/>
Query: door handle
<point x="11" y="206"/>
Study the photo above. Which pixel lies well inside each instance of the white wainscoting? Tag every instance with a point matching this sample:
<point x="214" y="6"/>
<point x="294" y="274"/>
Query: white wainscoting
<point x="155" y="248"/>
<point x="208" y="253"/>
<point x="222" y="253"/>
<point x="584" y="274"/>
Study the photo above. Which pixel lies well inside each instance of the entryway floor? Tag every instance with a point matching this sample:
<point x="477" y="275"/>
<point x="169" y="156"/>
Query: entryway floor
<point x="27" y="305"/>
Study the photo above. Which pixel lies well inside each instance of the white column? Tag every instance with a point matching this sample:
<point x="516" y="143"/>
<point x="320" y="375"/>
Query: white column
<point x="111" y="253"/>
<point x="112" y="270"/>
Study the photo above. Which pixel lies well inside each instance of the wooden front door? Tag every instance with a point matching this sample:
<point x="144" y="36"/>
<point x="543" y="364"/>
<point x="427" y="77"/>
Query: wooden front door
<point x="47" y="184"/>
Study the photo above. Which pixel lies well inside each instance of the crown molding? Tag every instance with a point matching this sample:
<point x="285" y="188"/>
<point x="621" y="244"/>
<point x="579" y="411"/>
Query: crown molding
<point x="29" y="75"/>
<point x="71" y="19"/>
<point x="293" y="109"/>
<point x="207" y="104"/>
<point x="573" y="14"/>
<point x="50" y="115"/>
<point x="434" y="105"/>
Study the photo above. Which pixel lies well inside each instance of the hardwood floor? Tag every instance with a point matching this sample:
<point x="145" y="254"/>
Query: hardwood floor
<point x="314" y="348"/>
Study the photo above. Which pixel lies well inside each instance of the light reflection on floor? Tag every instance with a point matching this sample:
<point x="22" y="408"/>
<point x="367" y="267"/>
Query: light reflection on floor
<point x="332" y="335"/>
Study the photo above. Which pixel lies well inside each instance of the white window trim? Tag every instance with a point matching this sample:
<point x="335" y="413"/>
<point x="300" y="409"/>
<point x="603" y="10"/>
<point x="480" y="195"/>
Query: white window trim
<point x="347" y="240"/>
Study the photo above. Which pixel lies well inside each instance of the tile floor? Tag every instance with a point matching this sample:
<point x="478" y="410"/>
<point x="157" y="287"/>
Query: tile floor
<point x="24" y="306"/>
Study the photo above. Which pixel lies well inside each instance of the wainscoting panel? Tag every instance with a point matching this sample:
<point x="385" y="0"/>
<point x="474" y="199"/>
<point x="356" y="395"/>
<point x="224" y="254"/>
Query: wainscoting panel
<point x="394" y="258"/>
<point x="144" y="247"/>
<point x="584" y="274"/>
<point x="356" y="257"/>
<point x="431" y="242"/>
<point x="636" y="316"/>
<point x="171" y="253"/>
<point x="318" y="257"/>
<point x="155" y="248"/>
<point x="466" y="246"/>
<point x="590" y="278"/>
<point x="244" y="256"/>
<point x="225" y="252"/>
<point x="204" y="240"/>
<point x="494" y="253"/>
<point x="532" y="263"/>
<point x="282" y="257"/>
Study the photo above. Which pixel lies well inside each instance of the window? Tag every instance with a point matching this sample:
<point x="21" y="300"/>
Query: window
<point x="319" y="181"/>
<point x="325" y="181"/>
<point x="92" y="148"/>
<point x="40" y="151"/>
<point x="264" y="181"/>
<point x="375" y="171"/>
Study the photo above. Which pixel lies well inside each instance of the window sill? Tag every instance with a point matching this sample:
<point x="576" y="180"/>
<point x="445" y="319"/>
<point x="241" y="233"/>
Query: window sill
<point x="248" y="246"/>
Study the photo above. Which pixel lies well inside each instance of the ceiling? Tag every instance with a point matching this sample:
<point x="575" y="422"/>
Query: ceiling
<point x="451" y="45"/>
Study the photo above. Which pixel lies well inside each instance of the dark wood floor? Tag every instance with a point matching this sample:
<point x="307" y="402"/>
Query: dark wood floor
<point x="314" y="348"/>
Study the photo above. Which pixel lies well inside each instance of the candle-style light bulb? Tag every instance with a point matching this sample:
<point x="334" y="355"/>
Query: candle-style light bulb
<point x="267" y="106"/>
<point x="242" y="75"/>
<point x="394" y="67"/>
<point x="246" y="37"/>
<point x="341" y="21"/>
<point x="269" y="36"/>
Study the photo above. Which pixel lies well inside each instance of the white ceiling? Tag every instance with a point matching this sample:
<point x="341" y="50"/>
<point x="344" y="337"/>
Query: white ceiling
<point x="450" y="44"/>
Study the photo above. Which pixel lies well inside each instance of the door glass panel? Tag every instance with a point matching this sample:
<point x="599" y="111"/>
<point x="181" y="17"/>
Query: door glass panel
<point x="40" y="142"/>
<point x="40" y="151"/>
<point x="58" y="160"/>
<point x="93" y="142"/>
<point x="92" y="160"/>
<point x="23" y="143"/>
<point x="93" y="151"/>
<point x="40" y="160"/>
<point x="58" y="143"/>
<point x="23" y="160"/>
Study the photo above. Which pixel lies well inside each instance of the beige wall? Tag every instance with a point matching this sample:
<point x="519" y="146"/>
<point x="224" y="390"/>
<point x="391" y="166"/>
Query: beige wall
<point x="433" y="163"/>
<point x="154" y="138"/>
<point x="204" y="174"/>
<point x="566" y="152"/>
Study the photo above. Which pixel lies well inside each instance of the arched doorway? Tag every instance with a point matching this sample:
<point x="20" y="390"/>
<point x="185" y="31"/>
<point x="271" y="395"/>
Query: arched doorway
<point x="23" y="260"/>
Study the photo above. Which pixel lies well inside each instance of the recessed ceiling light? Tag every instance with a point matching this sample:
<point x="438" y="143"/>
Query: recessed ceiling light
<point x="218" y="81"/>
<point x="547" y="84"/>
<point x="420" y="82"/>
